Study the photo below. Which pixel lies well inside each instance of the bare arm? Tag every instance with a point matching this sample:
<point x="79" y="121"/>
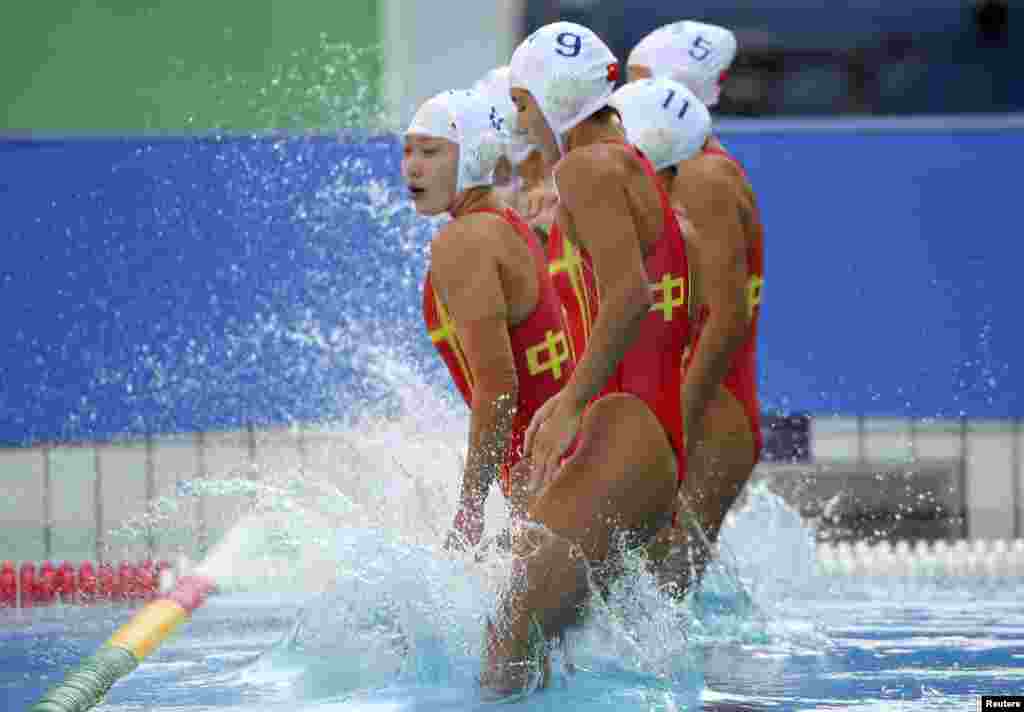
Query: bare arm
<point x="594" y="194"/>
<point x="464" y="269"/>
<point x="718" y="249"/>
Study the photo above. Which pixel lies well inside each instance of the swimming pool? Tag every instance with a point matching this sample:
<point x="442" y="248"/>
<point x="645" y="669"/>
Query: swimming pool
<point x="400" y="630"/>
<point x="319" y="226"/>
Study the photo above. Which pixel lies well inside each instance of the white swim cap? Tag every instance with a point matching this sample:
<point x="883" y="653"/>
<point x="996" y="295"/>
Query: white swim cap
<point x="569" y="71"/>
<point x="692" y="53"/>
<point x="663" y="119"/>
<point x="494" y="87"/>
<point x="466" y="119"/>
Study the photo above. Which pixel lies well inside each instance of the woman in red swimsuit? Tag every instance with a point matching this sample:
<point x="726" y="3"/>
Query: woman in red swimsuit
<point x="488" y="304"/>
<point x="721" y="409"/>
<point x="605" y="453"/>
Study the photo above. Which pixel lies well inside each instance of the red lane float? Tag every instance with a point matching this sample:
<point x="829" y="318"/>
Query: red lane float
<point x="45" y="594"/>
<point x="27" y="584"/>
<point x="88" y="584"/>
<point x="8" y="585"/>
<point x="107" y="584"/>
<point x="64" y="582"/>
<point x="30" y="584"/>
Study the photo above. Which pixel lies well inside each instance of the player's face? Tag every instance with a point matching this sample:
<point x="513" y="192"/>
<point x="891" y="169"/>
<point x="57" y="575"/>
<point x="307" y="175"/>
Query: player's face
<point x="637" y="71"/>
<point x="430" y="167"/>
<point x="530" y="120"/>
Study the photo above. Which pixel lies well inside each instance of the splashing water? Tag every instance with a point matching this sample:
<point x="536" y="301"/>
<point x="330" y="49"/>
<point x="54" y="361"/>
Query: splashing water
<point x="396" y="618"/>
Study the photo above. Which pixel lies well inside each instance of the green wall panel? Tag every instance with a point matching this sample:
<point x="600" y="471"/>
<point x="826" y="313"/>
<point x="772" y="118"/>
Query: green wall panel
<point x="188" y="66"/>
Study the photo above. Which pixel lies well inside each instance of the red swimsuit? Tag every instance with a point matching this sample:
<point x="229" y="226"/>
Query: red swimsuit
<point x="741" y="380"/>
<point x="651" y="368"/>
<point x="539" y="345"/>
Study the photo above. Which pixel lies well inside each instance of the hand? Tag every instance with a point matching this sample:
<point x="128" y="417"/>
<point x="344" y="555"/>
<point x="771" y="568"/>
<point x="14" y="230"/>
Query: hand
<point x="519" y="495"/>
<point x="541" y="203"/>
<point x="549" y="437"/>
<point x="539" y="416"/>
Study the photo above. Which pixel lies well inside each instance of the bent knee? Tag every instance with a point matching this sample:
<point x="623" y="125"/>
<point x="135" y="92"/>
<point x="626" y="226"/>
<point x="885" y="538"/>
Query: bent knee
<point x="621" y="427"/>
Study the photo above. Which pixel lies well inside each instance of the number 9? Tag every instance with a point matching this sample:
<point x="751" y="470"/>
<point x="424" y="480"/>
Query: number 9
<point x="569" y="44"/>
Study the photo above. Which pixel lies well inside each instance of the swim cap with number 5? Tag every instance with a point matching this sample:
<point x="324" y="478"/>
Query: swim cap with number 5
<point x="693" y="53"/>
<point x="569" y="71"/>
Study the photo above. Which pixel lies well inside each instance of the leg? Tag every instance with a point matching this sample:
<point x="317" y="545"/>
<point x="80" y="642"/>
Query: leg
<point x="622" y="479"/>
<point x="669" y="554"/>
<point x="716" y="472"/>
<point x="547" y="589"/>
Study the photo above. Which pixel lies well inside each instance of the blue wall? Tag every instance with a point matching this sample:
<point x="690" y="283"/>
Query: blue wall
<point x="891" y="271"/>
<point x="165" y="285"/>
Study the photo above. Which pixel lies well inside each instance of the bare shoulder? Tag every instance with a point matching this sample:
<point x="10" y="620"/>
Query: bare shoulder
<point x="712" y="187"/>
<point x="712" y="173"/>
<point x="465" y="243"/>
<point x="591" y="171"/>
<point x="712" y="192"/>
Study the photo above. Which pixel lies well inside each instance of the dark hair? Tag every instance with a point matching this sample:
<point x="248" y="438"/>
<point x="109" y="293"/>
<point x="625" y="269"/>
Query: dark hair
<point x="669" y="174"/>
<point x="606" y="112"/>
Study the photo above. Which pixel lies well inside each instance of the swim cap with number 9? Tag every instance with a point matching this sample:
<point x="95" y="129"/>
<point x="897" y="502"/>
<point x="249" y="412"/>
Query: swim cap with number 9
<point x="569" y="71"/>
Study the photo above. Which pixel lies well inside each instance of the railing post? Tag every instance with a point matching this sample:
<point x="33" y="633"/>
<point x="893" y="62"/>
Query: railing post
<point x="150" y="494"/>
<point x="253" y="471"/>
<point x="912" y="436"/>
<point x="202" y="535"/>
<point x="47" y="503"/>
<point x="300" y="445"/>
<point x="1015" y="457"/>
<point x="862" y="446"/>
<point x="101" y="539"/>
<point x="965" y="525"/>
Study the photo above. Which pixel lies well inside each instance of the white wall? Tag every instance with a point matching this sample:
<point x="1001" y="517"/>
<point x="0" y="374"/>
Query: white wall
<point x="85" y="490"/>
<point x="433" y="45"/>
<point x="992" y="454"/>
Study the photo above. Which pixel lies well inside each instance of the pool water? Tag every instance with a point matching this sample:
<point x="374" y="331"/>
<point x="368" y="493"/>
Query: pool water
<point x="398" y="625"/>
<point x="400" y="630"/>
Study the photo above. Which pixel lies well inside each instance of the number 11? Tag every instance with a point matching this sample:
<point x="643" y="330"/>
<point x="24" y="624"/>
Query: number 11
<point x="668" y="101"/>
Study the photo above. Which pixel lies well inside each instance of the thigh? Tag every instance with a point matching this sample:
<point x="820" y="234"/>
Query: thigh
<point x="717" y="470"/>
<point x="621" y="479"/>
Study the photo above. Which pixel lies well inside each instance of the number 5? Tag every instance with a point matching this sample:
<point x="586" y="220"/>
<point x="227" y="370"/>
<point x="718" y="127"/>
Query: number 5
<point x="701" y="49"/>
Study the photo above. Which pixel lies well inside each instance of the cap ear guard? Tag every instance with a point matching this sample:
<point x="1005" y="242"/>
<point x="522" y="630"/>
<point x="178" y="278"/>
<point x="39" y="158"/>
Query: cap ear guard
<point x="569" y="71"/>
<point x="494" y="86"/>
<point x="466" y="119"/>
